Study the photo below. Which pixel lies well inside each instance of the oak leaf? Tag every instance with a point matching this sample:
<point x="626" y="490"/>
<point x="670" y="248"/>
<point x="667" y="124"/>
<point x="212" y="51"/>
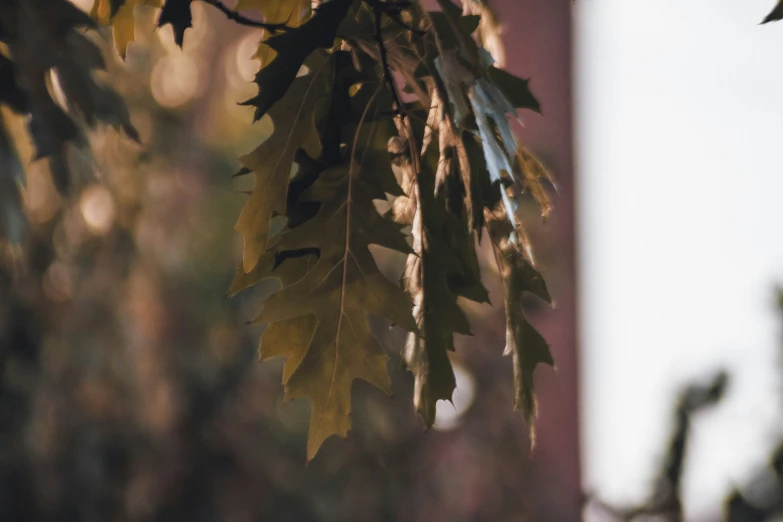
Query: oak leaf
<point x="120" y="15"/>
<point x="293" y="47"/>
<point x="342" y="288"/>
<point x="525" y="345"/>
<point x="289" y="12"/>
<point x="272" y="161"/>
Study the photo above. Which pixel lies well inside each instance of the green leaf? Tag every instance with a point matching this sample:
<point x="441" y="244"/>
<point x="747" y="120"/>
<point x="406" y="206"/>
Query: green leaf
<point x="292" y="48"/>
<point x="272" y="161"/>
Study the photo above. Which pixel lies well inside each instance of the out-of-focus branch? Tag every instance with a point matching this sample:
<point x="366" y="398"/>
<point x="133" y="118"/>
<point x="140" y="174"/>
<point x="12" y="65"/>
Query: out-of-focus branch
<point x="243" y="20"/>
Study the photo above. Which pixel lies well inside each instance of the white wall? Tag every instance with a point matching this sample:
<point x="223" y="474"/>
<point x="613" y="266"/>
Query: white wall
<point x="679" y="108"/>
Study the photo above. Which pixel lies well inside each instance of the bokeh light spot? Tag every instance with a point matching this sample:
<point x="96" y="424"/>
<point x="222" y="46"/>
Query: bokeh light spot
<point x="175" y="80"/>
<point x="97" y="207"/>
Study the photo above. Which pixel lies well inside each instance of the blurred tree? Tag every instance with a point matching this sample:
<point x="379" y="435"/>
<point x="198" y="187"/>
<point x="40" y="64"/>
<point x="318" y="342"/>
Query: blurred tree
<point x="759" y="501"/>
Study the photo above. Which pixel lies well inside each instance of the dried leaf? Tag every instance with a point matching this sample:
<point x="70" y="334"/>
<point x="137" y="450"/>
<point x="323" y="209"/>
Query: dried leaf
<point x="442" y="267"/>
<point x="526" y="346"/>
<point x="530" y="173"/>
<point x="489" y="28"/>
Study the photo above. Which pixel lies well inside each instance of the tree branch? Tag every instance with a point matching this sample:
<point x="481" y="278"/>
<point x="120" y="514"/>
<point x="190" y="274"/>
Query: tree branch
<point x="242" y="20"/>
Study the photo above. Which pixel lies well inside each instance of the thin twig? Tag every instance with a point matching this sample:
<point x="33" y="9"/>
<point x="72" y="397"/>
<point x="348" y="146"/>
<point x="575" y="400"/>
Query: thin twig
<point x="383" y="52"/>
<point x="242" y="20"/>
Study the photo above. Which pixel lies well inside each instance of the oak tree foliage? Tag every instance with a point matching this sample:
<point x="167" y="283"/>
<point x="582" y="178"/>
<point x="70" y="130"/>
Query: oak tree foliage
<point x="376" y="104"/>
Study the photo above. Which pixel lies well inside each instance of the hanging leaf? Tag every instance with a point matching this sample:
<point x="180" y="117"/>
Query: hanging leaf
<point x="120" y="15"/>
<point x="288" y="338"/>
<point x="46" y="37"/>
<point x="526" y="346"/>
<point x="776" y="14"/>
<point x="292" y="48"/>
<point x="443" y="265"/>
<point x="515" y="90"/>
<point x="289" y="12"/>
<point x="425" y="280"/>
<point x="177" y="13"/>
<point x="272" y="161"/>
<point x="341" y="289"/>
<point x="531" y="173"/>
<point x="489" y="28"/>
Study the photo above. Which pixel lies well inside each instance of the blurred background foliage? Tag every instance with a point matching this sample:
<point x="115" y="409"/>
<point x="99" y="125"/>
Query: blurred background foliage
<point x="759" y="499"/>
<point x="130" y="389"/>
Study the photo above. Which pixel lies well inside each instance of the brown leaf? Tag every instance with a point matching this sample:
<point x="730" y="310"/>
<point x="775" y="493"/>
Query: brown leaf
<point x="121" y="20"/>
<point x="341" y="289"/>
<point x="526" y="346"/>
<point x="531" y="173"/>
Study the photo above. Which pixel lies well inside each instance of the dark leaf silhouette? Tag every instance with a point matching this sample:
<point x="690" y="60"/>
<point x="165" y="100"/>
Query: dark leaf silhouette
<point x="292" y="48"/>
<point x="177" y="13"/>
<point x="775" y="15"/>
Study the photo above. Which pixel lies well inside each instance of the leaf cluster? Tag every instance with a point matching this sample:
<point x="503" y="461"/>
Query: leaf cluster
<point x="48" y="68"/>
<point x="377" y="102"/>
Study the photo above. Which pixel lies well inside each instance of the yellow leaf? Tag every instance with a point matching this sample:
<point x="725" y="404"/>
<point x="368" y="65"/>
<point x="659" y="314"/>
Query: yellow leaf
<point x="273" y="160"/>
<point x="290" y="12"/>
<point x="123" y="23"/>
